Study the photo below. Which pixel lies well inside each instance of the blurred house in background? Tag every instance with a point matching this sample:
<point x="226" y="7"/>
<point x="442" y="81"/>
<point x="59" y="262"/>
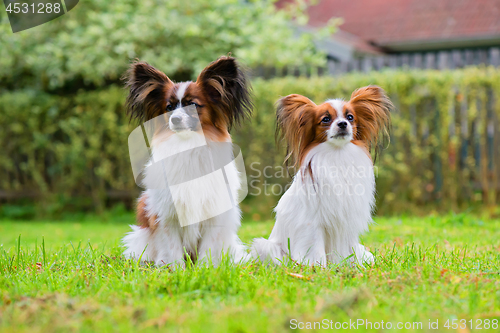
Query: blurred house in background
<point x="408" y="33"/>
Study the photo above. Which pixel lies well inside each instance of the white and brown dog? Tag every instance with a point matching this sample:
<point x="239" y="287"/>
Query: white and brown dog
<point x="330" y="202"/>
<point x="168" y="230"/>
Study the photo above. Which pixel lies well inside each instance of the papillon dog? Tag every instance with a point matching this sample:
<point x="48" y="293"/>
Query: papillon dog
<point x="187" y="218"/>
<point x="320" y="217"/>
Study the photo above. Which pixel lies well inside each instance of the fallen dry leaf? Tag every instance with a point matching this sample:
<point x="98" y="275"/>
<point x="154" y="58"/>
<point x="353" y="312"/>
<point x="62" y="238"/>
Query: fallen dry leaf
<point x="299" y="276"/>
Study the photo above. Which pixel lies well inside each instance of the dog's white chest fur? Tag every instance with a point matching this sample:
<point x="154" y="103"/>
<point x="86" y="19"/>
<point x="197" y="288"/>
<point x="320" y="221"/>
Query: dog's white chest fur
<point x="188" y="183"/>
<point x="341" y="188"/>
<point x="321" y="216"/>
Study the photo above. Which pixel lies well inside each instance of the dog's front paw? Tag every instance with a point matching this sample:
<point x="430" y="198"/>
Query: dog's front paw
<point x="363" y="255"/>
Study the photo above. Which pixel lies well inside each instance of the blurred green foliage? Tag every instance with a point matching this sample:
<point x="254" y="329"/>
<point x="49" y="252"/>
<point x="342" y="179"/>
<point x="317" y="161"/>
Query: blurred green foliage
<point x="64" y="151"/>
<point x="92" y="45"/>
<point x="69" y="153"/>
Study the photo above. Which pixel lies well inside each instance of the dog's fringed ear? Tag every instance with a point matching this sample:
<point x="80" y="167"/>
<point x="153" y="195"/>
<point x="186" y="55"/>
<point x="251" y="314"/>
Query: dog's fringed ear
<point x="373" y="115"/>
<point x="147" y="88"/>
<point x="225" y="84"/>
<point x="294" y="123"/>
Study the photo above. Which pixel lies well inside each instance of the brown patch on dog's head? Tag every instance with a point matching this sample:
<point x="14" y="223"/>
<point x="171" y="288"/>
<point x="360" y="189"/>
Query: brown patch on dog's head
<point x="372" y="115"/>
<point x="300" y="123"/>
<point x="148" y="88"/>
<point x="227" y="91"/>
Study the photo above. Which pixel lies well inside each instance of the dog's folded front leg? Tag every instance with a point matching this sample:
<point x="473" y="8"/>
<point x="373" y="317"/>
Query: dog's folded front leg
<point x="218" y="241"/>
<point x="212" y="245"/>
<point x="310" y="249"/>
<point x="169" y="248"/>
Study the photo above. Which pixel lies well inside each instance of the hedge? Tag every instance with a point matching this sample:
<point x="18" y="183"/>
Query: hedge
<point x="69" y="153"/>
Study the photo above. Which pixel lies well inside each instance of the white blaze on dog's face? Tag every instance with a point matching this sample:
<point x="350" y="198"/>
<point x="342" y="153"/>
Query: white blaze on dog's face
<point x="185" y="122"/>
<point x="340" y="131"/>
<point x="181" y="120"/>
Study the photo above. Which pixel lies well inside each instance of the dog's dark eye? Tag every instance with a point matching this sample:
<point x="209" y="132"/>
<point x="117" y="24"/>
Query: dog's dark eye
<point x="191" y="103"/>
<point x="326" y="119"/>
<point x="350" y="117"/>
<point x="170" y="107"/>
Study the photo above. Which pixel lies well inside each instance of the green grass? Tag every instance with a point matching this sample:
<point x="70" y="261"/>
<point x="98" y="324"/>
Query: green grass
<point x="69" y="276"/>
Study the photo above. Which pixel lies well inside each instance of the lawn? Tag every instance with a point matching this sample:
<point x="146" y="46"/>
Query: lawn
<point x="69" y="276"/>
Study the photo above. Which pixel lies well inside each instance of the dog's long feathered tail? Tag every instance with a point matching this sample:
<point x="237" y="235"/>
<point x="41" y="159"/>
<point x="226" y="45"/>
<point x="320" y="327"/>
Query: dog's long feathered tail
<point x="265" y="249"/>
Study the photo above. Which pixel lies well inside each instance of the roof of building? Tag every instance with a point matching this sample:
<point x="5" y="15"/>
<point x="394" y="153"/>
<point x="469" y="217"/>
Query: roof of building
<point x="403" y="24"/>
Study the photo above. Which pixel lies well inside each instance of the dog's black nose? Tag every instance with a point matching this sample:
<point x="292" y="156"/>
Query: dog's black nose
<point x="342" y="124"/>
<point x="176" y="120"/>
